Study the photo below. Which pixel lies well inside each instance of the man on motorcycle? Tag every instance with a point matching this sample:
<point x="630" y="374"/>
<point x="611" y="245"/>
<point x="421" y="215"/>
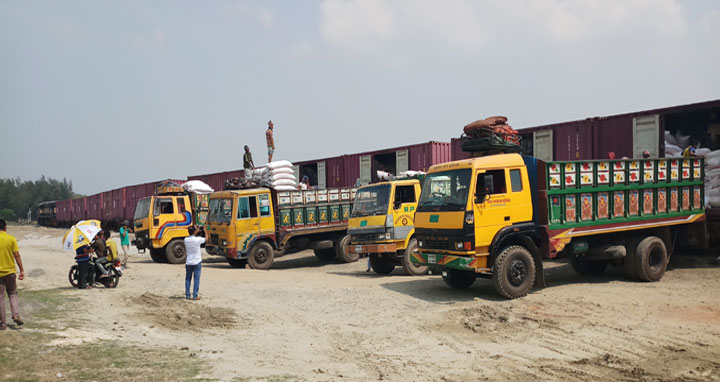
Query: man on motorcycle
<point x="101" y="253"/>
<point x="112" y="251"/>
<point x="82" y="256"/>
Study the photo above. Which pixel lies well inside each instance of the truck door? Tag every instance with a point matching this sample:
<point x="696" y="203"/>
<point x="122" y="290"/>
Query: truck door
<point x="254" y="217"/>
<point x="494" y="211"/>
<point x="404" y="203"/>
<point x="163" y="215"/>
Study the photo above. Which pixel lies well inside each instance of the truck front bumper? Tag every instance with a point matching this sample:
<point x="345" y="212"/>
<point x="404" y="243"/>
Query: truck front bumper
<point x="373" y="248"/>
<point x="463" y="263"/>
<point x="216" y="250"/>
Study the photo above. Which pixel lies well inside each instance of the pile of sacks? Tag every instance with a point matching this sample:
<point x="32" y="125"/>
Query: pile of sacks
<point x="197" y="187"/>
<point x="279" y="175"/>
<point x="497" y="124"/>
<point x="674" y="146"/>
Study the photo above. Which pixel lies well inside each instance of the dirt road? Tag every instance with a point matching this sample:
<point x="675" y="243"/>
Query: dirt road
<point x="312" y="321"/>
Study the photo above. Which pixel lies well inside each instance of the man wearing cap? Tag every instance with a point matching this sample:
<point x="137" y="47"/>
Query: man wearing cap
<point x="125" y="242"/>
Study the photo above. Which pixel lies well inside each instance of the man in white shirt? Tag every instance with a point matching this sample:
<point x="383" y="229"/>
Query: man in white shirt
<point x="193" y="260"/>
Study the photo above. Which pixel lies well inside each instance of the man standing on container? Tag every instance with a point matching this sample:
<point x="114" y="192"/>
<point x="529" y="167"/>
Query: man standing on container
<point x="193" y="261"/>
<point x="270" y="140"/>
<point x="248" y="163"/>
<point x="9" y="256"/>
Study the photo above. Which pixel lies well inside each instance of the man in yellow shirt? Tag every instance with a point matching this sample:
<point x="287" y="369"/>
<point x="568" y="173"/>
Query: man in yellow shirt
<point x="9" y="256"/>
<point x="112" y="252"/>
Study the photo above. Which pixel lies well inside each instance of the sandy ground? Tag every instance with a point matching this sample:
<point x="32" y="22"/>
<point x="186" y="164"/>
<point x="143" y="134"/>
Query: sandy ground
<point x="309" y="320"/>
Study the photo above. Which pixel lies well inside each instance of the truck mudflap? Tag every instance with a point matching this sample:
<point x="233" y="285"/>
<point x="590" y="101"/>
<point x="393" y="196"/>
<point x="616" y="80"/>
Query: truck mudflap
<point x="463" y="263"/>
<point x="373" y="248"/>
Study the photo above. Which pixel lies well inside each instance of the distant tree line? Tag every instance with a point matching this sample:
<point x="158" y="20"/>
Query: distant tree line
<point x="17" y="196"/>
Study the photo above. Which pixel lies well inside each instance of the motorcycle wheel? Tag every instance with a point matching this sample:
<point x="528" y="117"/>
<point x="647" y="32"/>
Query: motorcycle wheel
<point x="113" y="280"/>
<point x="73" y="276"/>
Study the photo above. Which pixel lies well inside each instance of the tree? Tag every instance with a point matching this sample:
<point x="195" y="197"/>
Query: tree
<point x="16" y="196"/>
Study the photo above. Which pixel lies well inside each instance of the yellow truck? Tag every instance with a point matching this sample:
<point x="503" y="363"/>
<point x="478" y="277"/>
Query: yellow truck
<point x="500" y="216"/>
<point x="381" y="225"/>
<point x="161" y="222"/>
<point x="254" y="226"/>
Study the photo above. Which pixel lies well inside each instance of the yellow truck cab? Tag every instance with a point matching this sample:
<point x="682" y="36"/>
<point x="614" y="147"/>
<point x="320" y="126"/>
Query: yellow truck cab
<point x="254" y="226"/>
<point x="382" y="225"/>
<point x="161" y="222"/>
<point x="499" y="216"/>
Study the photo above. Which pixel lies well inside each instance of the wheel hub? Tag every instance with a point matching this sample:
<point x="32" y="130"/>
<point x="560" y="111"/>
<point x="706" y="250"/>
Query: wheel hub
<point x="517" y="272"/>
<point x="261" y="256"/>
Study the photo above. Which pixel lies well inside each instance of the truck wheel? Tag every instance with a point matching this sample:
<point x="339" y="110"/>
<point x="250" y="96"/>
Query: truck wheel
<point x="585" y="267"/>
<point x="237" y="263"/>
<point x="629" y="262"/>
<point x="411" y="268"/>
<point x="158" y="255"/>
<point x="261" y="255"/>
<point x="380" y="264"/>
<point x="175" y="252"/>
<point x="650" y="259"/>
<point x="325" y="254"/>
<point x="342" y="250"/>
<point x="457" y="279"/>
<point x="514" y="272"/>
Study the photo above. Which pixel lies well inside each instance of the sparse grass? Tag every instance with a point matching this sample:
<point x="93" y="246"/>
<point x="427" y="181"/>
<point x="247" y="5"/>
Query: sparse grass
<point x="272" y="378"/>
<point x="26" y="353"/>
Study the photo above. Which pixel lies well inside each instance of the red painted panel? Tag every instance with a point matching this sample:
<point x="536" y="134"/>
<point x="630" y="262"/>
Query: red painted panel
<point x="352" y="169"/>
<point x="106" y="205"/>
<point x="94" y="207"/>
<point x="456" y="147"/>
<point x="79" y="211"/>
<point x="614" y="134"/>
<point x="64" y="211"/>
<point x="335" y="171"/>
<point x="573" y="140"/>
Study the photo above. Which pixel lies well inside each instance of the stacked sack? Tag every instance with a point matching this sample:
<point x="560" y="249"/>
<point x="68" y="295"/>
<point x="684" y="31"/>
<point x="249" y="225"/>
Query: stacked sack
<point x="674" y="146"/>
<point x="496" y="124"/>
<point x="279" y="175"/>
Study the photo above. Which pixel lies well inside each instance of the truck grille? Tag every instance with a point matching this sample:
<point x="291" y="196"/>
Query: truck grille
<point x="444" y="243"/>
<point x="214" y="239"/>
<point x="364" y="237"/>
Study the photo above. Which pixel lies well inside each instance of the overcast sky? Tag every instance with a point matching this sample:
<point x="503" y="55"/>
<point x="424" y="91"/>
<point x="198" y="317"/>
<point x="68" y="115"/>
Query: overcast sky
<point x="113" y="93"/>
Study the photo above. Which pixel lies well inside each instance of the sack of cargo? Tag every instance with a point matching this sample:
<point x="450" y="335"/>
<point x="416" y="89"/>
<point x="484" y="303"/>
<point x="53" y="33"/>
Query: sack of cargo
<point x="672" y="149"/>
<point x="285" y="188"/>
<point x="484" y="123"/>
<point x="712" y="173"/>
<point x="702" y="152"/>
<point x="260" y="170"/>
<point x="713" y="192"/>
<point x="712" y="162"/>
<point x="682" y="140"/>
<point x="197" y="186"/>
<point x="410" y="174"/>
<point x="713" y="154"/>
<point x="284" y="182"/>
<point x="284" y="176"/>
<point x="279" y="164"/>
<point x="714" y="202"/>
<point x="669" y="138"/>
<point x="283" y="170"/>
<point x="714" y="182"/>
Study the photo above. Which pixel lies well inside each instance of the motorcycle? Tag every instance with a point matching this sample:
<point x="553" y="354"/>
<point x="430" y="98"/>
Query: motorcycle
<point x="114" y="272"/>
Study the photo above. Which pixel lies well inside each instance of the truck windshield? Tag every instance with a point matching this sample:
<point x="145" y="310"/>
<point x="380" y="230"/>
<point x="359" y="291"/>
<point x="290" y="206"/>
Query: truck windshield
<point x="445" y="191"/>
<point x="371" y="201"/>
<point x="220" y="211"/>
<point x="142" y="209"/>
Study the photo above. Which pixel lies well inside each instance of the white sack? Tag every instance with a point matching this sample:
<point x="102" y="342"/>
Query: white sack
<point x="285" y="188"/>
<point x="284" y="182"/>
<point x="714" y="202"/>
<point x="284" y="176"/>
<point x="713" y="154"/>
<point x="197" y="186"/>
<point x="703" y="152"/>
<point x="382" y="175"/>
<point x="672" y="149"/>
<point x="279" y="164"/>
<point x="411" y="173"/>
<point x="682" y="140"/>
<point x="712" y="162"/>
<point x="669" y="138"/>
<point x="260" y="170"/>
<point x="283" y="170"/>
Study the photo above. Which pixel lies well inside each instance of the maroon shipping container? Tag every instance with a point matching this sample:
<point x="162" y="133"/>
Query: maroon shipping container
<point x="79" y="210"/>
<point x="94" y="207"/>
<point x="422" y="156"/>
<point x="106" y="210"/>
<point x="456" y="148"/>
<point x="117" y="205"/>
<point x="335" y="171"/>
<point x="64" y="212"/>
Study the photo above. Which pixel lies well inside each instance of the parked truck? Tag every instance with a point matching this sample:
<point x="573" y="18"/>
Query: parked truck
<point x="500" y="216"/>
<point x="161" y="222"/>
<point x="381" y="225"/>
<point x="254" y="226"/>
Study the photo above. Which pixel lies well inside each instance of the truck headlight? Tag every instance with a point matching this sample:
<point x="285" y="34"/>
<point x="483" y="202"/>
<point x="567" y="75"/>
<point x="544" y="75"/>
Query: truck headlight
<point x="224" y="242"/>
<point x="459" y="245"/>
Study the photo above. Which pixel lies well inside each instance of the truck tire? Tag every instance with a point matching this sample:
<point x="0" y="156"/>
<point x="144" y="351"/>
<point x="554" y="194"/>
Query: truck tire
<point x="381" y="264"/>
<point x="411" y="268"/>
<point x="261" y="255"/>
<point x="342" y="250"/>
<point x="158" y="255"/>
<point x="175" y="252"/>
<point x="514" y="272"/>
<point x="629" y="262"/>
<point x="586" y="267"/>
<point x="237" y="263"/>
<point x="650" y="259"/>
<point x="325" y="254"/>
<point x="457" y="279"/>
